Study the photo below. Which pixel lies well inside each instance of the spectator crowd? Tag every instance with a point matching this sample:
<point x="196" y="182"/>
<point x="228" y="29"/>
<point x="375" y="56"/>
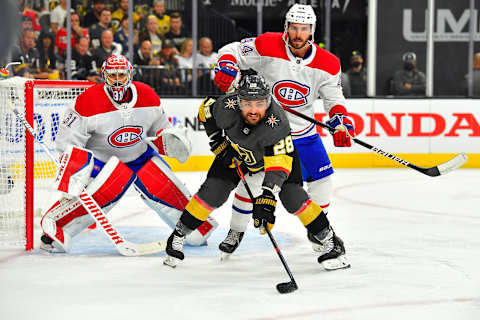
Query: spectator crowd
<point x="163" y="48"/>
<point x="162" y="52"/>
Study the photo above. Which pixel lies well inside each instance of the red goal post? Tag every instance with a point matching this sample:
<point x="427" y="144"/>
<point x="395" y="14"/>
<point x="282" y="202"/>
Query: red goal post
<point x="26" y="172"/>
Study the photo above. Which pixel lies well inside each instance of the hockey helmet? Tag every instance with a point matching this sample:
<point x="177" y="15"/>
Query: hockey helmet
<point x="117" y="72"/>
<point x="301" y="13"/>
<point x="253" y="87"/>
<point x="409" y="57"/>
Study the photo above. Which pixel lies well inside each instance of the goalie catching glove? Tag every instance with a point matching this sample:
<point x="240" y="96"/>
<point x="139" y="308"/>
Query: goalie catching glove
<point x="173" y="142"/>
<point x="342" y="125"/>
<point x="263" y="210"/>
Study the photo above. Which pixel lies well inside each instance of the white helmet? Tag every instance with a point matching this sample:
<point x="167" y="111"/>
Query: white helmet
<point x="301" y="13"/>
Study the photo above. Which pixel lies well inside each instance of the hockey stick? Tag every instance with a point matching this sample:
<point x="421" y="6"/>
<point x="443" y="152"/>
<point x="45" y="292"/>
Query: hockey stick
<point x="123" y="246"/>
<point x="441" y="169"/>
<point x="284" y="287"/>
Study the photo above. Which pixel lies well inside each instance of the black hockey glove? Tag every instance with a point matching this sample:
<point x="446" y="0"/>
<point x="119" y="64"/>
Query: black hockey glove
<point x="263" y="209"/>
<point x="225" y="152"/>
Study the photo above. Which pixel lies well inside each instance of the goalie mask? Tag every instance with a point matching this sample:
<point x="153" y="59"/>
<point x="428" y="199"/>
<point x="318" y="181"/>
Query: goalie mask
<point x="300" y="13"/>
<point x="117" y="72"/>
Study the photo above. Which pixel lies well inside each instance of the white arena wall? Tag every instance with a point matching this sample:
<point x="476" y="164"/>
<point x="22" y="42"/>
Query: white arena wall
<point x="425" y="132"/>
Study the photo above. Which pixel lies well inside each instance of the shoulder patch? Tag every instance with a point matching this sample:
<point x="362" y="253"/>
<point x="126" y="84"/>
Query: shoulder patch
<point x="247" y="46"/>
<point x="230" y="103"/>
<point x="272" y="121"/>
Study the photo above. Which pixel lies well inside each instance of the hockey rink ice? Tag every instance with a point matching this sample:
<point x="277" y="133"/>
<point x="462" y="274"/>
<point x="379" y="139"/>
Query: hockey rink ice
<point x="413" y="243"/>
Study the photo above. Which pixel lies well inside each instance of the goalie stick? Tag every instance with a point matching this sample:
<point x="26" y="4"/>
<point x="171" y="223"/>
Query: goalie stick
<point x="284" y="287"/>
<point x="441" y="169"/>
<point x="123" y="246"/>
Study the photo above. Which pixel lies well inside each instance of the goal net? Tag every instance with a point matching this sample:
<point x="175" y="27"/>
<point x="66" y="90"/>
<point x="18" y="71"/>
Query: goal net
<point x="26" y="172"/>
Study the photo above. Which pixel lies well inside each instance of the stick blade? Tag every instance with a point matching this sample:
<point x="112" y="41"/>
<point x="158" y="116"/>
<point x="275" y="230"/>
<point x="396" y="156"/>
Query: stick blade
<point x="131" y="249"/>
<point x="452" y="164"/>
<point x="286" y="287"/>
<point x="446" y="167"/>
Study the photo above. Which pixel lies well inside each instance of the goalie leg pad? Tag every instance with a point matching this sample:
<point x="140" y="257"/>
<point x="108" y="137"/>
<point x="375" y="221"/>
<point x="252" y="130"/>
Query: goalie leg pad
<point x="321" y="191"/>
<point x="67" y="217"/>
<point x="111" y="183"/>
<point x="162" y="191"/>
<point x="157" y="182"/>
<point x="75" y="168"/>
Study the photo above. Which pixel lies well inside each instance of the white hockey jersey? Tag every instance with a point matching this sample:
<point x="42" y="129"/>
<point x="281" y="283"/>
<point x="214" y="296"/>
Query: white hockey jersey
<point x="295" y="82"/>
<point x="107" y="128"/>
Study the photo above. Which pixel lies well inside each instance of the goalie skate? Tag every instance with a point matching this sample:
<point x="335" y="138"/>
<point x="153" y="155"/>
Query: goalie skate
<point x="46" y="243"/>
<point x="331" y="250"/>
<point x="230" y="244"/>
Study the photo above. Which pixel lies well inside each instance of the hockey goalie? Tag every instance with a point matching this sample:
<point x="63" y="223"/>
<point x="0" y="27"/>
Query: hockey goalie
<point x="113" y="138"/>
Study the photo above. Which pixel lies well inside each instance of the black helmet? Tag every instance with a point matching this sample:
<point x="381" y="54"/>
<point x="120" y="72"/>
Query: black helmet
<point x="253" y="87"/>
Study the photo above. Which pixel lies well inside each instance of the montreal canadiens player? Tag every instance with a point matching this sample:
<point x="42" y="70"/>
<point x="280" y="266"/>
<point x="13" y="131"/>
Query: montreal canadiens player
<point x="250" y="127"/>
<point x="298" y="72"/>
<point x="110" y="139"/>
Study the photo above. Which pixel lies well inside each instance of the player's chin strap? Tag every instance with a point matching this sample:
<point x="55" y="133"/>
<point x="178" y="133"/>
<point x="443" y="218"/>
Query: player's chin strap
<point x="284" y="287"/>
<point x="441" y="169"/>
<point x="123" y="246"/>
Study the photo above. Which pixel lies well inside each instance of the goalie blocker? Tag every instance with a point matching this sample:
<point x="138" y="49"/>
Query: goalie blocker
<point x="155" y="182"/>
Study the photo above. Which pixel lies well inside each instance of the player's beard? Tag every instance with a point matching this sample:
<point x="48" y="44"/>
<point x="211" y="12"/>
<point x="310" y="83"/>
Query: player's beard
<point x="298" y="43"/>
<point x="252" y="118"/>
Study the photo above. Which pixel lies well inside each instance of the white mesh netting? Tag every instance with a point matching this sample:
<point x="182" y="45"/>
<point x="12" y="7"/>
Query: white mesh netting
<point x="50" y="102"/>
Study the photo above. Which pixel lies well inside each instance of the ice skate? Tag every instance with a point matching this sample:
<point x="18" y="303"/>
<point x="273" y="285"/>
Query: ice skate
<point x="230" y="244"/>
<point x="174" y="249"/>
<point x="330" y="249"/>
<point x="46" y="243"/>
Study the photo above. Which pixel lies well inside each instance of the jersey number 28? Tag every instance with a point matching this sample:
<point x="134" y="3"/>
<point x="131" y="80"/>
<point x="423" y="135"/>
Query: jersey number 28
<point x="283" y="146"/>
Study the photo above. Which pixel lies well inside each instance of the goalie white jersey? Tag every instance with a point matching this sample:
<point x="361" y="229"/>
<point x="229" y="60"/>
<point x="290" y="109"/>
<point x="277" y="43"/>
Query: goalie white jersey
<point x="295" y="82"/>
<point x="107" y="128"/>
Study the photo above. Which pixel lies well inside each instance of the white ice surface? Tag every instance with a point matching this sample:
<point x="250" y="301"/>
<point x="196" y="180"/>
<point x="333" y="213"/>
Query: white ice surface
<point x="413" y="243"/>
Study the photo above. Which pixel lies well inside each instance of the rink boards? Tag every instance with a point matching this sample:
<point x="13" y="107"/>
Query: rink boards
<point x="423" y="131"/>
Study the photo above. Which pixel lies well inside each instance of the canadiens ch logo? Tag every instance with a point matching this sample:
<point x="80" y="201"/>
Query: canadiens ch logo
<point x="291" y="93"/>
<point x="230" y="104"/>
<point x="125" y="136"/>
<point x="272" y="121"/>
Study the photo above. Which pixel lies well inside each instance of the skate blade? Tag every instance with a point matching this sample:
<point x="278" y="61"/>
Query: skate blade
<point x="224" y="256"/>
<point x="170" y="261"/>
<point x="47" y="247"/>
<point x="340" y="262"/>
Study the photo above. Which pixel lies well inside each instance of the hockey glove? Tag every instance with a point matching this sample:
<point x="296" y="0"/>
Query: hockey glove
<point x="225" y="152"/>
<point x="225" y="76"/>
<point x="173" y="142"/>
<point x="343" y="126"/>
<point x="74" y="170"/>
<point x="263" y="210"/>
